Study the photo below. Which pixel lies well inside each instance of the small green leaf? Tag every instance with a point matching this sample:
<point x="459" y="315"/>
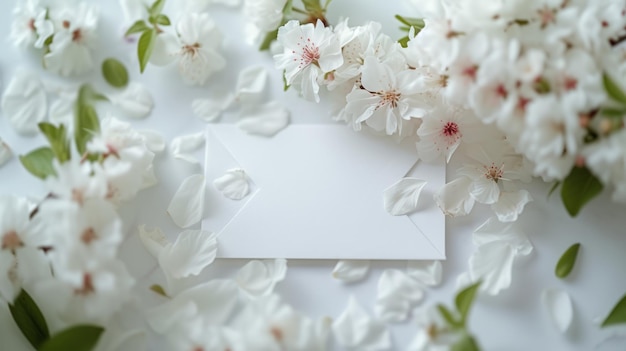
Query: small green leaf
<point x="156" y="8"/>
<point x="313" y="6"/>
<point x="464" y="300"/>
<point x="554" y="187"/>
<point x="465" y="343"/>
<point x="57" y="137"/>
<point x="612" y="112"/>
<point x="145" y="47"/>
<point x="86" y="123"/>
<point x="137" y="27"/>
<point x="579" y="187"/>
<point x="115" y="73"/>
<point x="566" y="262"/>
<point x="285" y="85"/>
<point x="39" y="162"/>
<point x="446" y="314"/>
<point x="404" y="41"/>
<point x="77" y="338"/>
<point x="162" y="20"/>
<point x="614" y="91"/>
<point x="267" y="41"/>
<point x="617" y="315"/>
<point x="159" y="290"/>
<point x="29" y="319"/>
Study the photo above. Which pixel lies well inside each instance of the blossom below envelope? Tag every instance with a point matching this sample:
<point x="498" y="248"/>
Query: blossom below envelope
<point x="317" y="193"/>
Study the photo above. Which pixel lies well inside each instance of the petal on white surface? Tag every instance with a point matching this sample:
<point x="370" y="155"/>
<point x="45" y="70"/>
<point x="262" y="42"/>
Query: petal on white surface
<point x="182" y="147"/>
<point x="265" y="120"/>
<point x="511" y="204"/>
<point x="153" y="240"/>
<point x="397" y="294"/>
<point x="187" y="205"/>
<point x="134" y="102"/>
<point x="192" y="251"/>
<point x="426" y="272"/>
<point x="454" y="198"/>
<point x="210" y="110"/>
<point x="493" y="263"/>
<point x="24" y="102"/>
<point x="166" y="48"/>
<point x="494" y="230"/>
<point x="251" y="84"/>
<point x="154" y="140"/>
<point x="5" y="153"/>
<point x="351" y="270"/>
<point x="559" y="307"/>
<point x="402" y="197"/>
<point x="233" y="184"/>
<point x="355" y="329"/>
<point x="258" y="278"/>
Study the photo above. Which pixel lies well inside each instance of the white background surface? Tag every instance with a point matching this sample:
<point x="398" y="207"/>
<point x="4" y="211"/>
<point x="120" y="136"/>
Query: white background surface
<point x="514" y="320"/>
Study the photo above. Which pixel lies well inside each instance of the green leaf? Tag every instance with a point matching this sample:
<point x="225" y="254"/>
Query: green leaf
<point x="57" y="137"/>
<point x="326" y="4"/>
<point x="29" y="319"/>
<point x="156" y="8"/>
<point x="418" y="23"/>
<point x="465" y="343"/>
<point x="613" y="112"/>
<point x="77" y="338"/>
<point x="313" y="6"/>
<point x="579" y="187"/>
<point x="145" y="47"/>
<point x="285" y="85"/>
<point x="86" y="123"/>
<point x="39" y="162"/>
<point x="404" y="41"/>
<point x="554" y="187"/>
<point x="464" y="300"/>
<point x="617" y="315"/>
<point x="614" y="91"/>
<point x="162" y="20"/>
<point x="159" y="290"/>
<point x="566" y="263"/>
<point x="137" y="27"/>
<point x="267" y="41"/>
<point x="446" y="314"/>
<point x="115" y="73"/>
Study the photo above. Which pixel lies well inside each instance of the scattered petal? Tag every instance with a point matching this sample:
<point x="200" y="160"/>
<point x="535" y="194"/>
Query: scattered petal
<point x="355" y="329"/>
<point x="493" y="264"/>
<point x="511" y="204"/>
<point x="454" y="198"/>
<point x="154" y="141"/>
<point x="265" y="120"/>
<point x="426" y="272"/>
<point x="258" y="278"/>
<point x="351" y="270"/>
<point x="251" y="84"/>
<point x="154" y="241"/>
<point x="182" y="146"/>
<point x="559" y="306"/>
<point x="494" y="230"/>
<point x="192" y="251"/>
<point x="402" y="197"/>
<point x="24" y="102"/>
<point x="233" y="184"/>
<point x="210" y="110"/>
<point x="397" y="294"/>
<point x="134" y="102"/>
<point x="62" y="109"/>
<point x="187" y="205"/>
<point x="5" y="152"/>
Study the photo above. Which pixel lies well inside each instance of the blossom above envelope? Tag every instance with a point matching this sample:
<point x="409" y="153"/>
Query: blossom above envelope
<point x="317" y="193"/>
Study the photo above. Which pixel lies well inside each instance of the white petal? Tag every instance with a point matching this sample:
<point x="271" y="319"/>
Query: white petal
<point x="485" y="191"/>
<point x="24" y="102"/>
<point x="265" y="120"/>
<point x="454" y="198"/>
<point x="355" y="329"/>
<point x="154" y="241"/>
<point x="233" y="184"/>
<point x="5" y="152"/>
<point x="130" y="340"/>
<point x="402" y="197"/>
<point x="166" y="48"/>
<point x="493" y="263"/>
<point x="559" y="306"/>
<point x="397" y="294"/>
<point x="426" y="272"/>
<point x="251" y="84"/>
<point x="187" y="205"/>
<point x="494" y="230"/>
<point x="258" y="278"/>
<point x="511" y="204"/>
<point x="192" y="251"/>
<point x="182" y="146"/>
<point x="134" y="102"/>
<point x="351" y="270"/>
<point x="209" y="110"/>
<point x="154" y="140"/>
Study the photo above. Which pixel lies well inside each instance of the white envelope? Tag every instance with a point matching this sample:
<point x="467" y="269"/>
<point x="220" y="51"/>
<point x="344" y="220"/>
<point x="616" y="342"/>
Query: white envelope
<point x="317" y="193"/>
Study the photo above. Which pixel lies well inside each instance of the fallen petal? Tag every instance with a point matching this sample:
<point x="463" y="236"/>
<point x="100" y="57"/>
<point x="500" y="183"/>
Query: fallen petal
<point x="192" y="251"/>
<point x="402" y="197"/>
<point x="397" y="295"/>
<point x="187" y="205"/>
<point x="210" y="110"/>
<point x="134" y="102"/>
<point x="24" y="102"/>
<point x="265" y="120"/>
<point x="426" y="272"/>
<point x="511" y="204"/>
<point x="355" y="329"/>
<point x="233" y="184"/>
<point x="258" y="278"/>
<point x="182" y="146"/>
<point x="153" y="240"/>
<point x="493" y="264"/>
<point x="494" y="230"/>
<point x="154" y="141"/>
<point x="351" y="271"/>
<point x="559" y="306"/>
<point x="251" y="84"/>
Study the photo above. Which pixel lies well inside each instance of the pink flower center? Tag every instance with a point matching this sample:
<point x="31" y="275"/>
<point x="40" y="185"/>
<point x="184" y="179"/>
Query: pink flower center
<point x="277" y="333"/>
<point x="31" y="25"/>
<point x="87" y="287"/>
<point x="77" y="36"/>
<point x="390" y="98"/>
<point x="546" y="16"/>
<point x="191" y="50"/>
<point x="501" y="91"/>
<point x="470" y="72"/>
<point x="88" y="236"/>
<point x="570" y="83"/>
<point x="450" y="129"/>
<point x="310" y="53"/>
<point x="11" y="240"/>
<point x="493" y="172"/>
